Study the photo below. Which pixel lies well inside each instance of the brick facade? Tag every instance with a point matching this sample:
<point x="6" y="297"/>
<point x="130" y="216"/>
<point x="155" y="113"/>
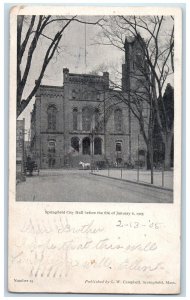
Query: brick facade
<point x="83" y="120"/>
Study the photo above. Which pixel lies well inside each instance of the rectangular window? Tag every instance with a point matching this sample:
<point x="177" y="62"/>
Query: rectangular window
<point x="118" y="147"/>
<point x="86" y="119"/>
<point x="118" y="119"/>
<point x="52" y="117"/>
<point x="51" y="146"/>
<point x="75" y="118"/>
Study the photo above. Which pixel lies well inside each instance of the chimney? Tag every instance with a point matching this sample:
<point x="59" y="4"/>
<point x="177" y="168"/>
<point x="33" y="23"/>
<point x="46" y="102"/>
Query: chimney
<point x="106" y="79"/>
<point x="65" y="75"/>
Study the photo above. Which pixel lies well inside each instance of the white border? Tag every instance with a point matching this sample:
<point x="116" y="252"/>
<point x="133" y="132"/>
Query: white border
<point x="187" y="114"/>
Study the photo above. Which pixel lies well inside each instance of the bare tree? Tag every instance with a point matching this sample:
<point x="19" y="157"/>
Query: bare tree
<point x="30" y="31"/>
<point x="155" y="35"/>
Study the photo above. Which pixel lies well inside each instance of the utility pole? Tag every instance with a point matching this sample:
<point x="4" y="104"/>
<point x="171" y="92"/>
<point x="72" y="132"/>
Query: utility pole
<point x="92" y="133"/>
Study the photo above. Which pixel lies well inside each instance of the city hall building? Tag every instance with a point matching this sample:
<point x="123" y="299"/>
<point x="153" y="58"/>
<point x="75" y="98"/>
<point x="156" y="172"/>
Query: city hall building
<point x="84" y="120"/>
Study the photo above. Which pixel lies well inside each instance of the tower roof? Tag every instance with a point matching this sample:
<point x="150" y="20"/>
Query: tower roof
<point x="130" y="39"/>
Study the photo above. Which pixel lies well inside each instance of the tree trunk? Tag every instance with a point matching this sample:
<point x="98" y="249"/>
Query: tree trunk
<point x="168" y="148"/>
<point x="150" y="162"/>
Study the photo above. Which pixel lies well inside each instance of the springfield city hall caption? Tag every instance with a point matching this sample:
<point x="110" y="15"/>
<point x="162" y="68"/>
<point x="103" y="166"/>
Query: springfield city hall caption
<point x="105" y="133"/>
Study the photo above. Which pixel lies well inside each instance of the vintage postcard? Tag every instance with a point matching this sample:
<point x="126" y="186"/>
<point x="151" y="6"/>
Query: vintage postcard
<point x="95" y="149"/>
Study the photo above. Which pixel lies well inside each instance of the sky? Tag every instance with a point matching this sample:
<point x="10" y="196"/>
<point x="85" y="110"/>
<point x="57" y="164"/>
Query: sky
<point x="71" y="55"/>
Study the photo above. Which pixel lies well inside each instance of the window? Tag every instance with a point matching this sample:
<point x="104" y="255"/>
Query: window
<point x="75" y="143"/>
<point x="119" y="160"/>
<point x="118" y="119"/>
<point x="138" y="59"/>
<point x="97" y="146"/>
<point x="118" y="147"/>
<point x="98" y="96"/>
<point x="141" y="152"/>
<point x="75" y="118"/>
<point x="86" y="146"/>
<point x="73" y="94"/>
<point x="86" y="119"/>
<point x="96" y="117"/>
<point x="51" y="153"/>
<point x="51" y="146"/>
<point x="52" y="111"/>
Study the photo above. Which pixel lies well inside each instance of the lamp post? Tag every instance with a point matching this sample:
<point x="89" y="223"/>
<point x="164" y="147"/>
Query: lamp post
<point x="117" y="155"/>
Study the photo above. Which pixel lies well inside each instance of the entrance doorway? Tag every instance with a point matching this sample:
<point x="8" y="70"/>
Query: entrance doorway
<point x="86" y="146"/>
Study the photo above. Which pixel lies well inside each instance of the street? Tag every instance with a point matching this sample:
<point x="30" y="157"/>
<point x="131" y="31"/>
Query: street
<point x="81" y="186"/>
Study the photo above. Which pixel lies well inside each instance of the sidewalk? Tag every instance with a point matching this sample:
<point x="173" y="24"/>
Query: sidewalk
<point x="144" y="176"/>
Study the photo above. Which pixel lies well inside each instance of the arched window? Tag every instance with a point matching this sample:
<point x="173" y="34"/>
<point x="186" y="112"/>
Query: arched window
<point x="118" y="119"/>
<point x="138" y="59"/>
<point x="118" y="146"/>
<point x="142" y="152"/>
<point x="97" y="146"/>
<point x="73" y="94"/>
<point x="51" y="153"/>
<point x="86" y="146"/>
<point x="52" y="111"/>
<point x="86" y="119"/>
<point x="119" y="160"/>
<point x="75" y="118"/>
<point x="75" y="143"/>
<point x="96" y="117"/>
<point x="51" y="146"/>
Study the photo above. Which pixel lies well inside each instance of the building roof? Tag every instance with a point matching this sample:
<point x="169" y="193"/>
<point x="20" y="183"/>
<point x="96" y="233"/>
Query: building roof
<point x="130" y="39"/>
